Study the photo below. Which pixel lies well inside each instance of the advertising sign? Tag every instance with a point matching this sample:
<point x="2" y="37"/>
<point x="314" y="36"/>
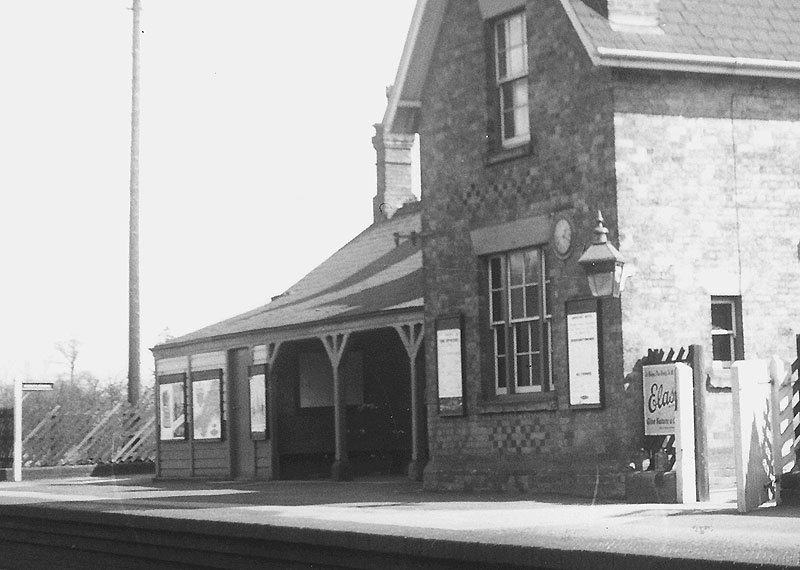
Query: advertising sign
<point x="206" y="408"/>
<point x="584" y="359"/>
<point x="449" y="366"/>
<point x="660" y="398"/>
<point x="448" y="352"/>
<point x="258" y="403"/>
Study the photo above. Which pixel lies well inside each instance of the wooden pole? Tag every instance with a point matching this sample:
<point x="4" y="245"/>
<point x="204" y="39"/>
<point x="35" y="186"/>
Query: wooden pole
<point x="335" y="346"/>
<point x="134" y="368"/>
<point x="411" y="337"/>
<point x="700" y="436"/>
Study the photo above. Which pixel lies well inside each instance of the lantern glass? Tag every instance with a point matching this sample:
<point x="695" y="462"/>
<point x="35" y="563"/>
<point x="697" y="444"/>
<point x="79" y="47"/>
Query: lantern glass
<point x="606" y="283"/>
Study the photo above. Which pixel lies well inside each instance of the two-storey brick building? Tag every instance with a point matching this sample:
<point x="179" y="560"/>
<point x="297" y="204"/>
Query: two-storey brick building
<point x="680" y="121"/>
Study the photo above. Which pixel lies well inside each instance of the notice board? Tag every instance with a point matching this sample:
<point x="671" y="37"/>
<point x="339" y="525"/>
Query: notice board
<point x="584" y="354"/>
<point x="449" y="366"/>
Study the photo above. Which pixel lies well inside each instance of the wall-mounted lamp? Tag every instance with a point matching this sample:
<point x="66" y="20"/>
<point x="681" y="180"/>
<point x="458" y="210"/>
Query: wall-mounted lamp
<point x="603" y="264"/>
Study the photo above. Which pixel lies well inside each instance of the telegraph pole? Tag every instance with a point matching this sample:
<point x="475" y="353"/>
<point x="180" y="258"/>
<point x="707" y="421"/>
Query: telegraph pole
<point x="134" y="367"/>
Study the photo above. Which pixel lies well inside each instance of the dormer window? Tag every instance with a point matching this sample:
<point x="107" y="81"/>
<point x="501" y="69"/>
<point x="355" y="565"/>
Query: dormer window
<point x="511" y="74"/>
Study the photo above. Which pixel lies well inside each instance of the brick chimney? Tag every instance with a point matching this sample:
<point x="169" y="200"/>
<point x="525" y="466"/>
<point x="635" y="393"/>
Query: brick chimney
<point x="633" y="15"/>
<point x="394" y="172"/>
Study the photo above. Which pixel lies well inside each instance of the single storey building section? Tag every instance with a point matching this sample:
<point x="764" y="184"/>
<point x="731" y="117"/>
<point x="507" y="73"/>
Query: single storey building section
<point x="326" y="379"/>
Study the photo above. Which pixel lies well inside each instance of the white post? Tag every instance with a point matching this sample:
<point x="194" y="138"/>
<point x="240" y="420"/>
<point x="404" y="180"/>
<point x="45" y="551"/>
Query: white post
<point x="17" y="471"/>
<point x="751" y="396"/>
<point x="686" y="478"/>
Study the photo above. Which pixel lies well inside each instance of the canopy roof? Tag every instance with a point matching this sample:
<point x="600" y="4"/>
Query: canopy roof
<point x="370" y="277"/>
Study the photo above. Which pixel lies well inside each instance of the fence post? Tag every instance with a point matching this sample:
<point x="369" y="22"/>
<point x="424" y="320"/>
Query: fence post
<point x="776" y="376"/>
<point x="700" y="435"/>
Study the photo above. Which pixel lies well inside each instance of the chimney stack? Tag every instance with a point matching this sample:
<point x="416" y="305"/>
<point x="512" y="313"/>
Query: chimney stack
<point x="393" y="164"/>
<point x="633" y="15"/>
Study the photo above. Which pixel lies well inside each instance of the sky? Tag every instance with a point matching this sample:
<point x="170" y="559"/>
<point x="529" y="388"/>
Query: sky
<point x="256" y="162"/>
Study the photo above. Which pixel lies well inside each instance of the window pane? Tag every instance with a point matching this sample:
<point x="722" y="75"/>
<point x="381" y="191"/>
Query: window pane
<point x="521" y="122"/>
<point x="520" y="87"/>
<point x="515" y="25"/>
<point x="498" y="310"/>
<point x="500" y="31"/>
<point x="546" y="357"/>
<point x="516" y="61"/>
<point x="721" y="344"/>
<point x="500" y="356"/>
<point x="523" y="370"/>
<point x="500" y="373"/>
<point x="532" y="266"/>
<point x="517" y="308"/>
<point x="509" y="130"/>
<point x="495" y="273"/>
<point x="500" y="47"/>
<point x="522" y="340"/>
<point x="534" y="336"/>
<point x="536" y="372"/>
<point x="722" y="316"/>
<point x="532" y="301"/>
<point x="507" y="97"/>
<point x="517" y="262"/>
<point x="548" y="299"/>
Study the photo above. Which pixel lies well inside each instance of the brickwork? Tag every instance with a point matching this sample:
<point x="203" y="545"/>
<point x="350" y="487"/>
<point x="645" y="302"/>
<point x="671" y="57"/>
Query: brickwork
<point x="708" y="177"/>
<point x="697" y="178"/>
<point x="569" y="167"/>
<point x="394" y="172"/>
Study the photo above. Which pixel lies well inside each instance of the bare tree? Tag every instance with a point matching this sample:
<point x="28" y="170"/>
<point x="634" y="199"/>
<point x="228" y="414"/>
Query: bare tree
<point x="69" y="350"/>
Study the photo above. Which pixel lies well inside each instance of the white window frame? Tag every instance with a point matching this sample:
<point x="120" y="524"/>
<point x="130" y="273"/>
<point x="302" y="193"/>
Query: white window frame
<point x="512" y="77"/>
<point x="733" y="334"/>
<point x="506" y="326"/>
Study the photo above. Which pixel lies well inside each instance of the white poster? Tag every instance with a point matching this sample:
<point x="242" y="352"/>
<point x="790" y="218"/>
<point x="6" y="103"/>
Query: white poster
<point x="584" y="359"/>
<point x="258" y="403"/>
<point x="660" y="399"/>
<point x="172" y="411"/>
<point x="448" y="354"/>
<point x="206" y="409"/>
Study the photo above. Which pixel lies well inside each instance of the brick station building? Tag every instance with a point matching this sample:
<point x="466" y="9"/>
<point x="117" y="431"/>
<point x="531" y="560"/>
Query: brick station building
<point x="678" y="119"/>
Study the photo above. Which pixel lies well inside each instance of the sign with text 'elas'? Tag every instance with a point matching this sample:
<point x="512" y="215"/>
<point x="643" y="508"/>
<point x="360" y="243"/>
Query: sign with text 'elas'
<point x="660" y="398"/>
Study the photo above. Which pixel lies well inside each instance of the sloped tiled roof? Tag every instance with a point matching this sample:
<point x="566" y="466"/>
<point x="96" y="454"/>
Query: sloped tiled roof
<point x="367" y="277"/>
<point x="737" y="37"/>
<point x="756" y="29"/>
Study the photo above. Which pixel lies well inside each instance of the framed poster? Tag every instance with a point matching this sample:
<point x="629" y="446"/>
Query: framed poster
<point x="584" y="354"/>
<point x="207" y="404"/>
<point x="258" y="401"/>
<point x="172" y="406"/>
<point x="660" y="398"/>
<point x="449" y="359"/>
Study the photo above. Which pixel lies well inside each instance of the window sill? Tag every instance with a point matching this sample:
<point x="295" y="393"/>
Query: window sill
<point x="496" y="156"/>
<point x="538" y="402"/>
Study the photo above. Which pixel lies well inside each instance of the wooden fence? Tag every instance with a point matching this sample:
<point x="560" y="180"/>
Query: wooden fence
<point x="105" y="433"/>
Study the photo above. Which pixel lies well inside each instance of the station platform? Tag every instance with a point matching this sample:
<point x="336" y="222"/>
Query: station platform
<point x="140" y="523"/>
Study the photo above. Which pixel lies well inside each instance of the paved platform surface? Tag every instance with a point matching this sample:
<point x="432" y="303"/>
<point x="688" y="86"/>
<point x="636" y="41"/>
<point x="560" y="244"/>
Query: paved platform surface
<point x="380" y="507"/>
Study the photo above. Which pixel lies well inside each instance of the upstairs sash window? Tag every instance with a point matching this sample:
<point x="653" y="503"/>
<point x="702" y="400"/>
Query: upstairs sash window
<point x="511" y="74"/>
